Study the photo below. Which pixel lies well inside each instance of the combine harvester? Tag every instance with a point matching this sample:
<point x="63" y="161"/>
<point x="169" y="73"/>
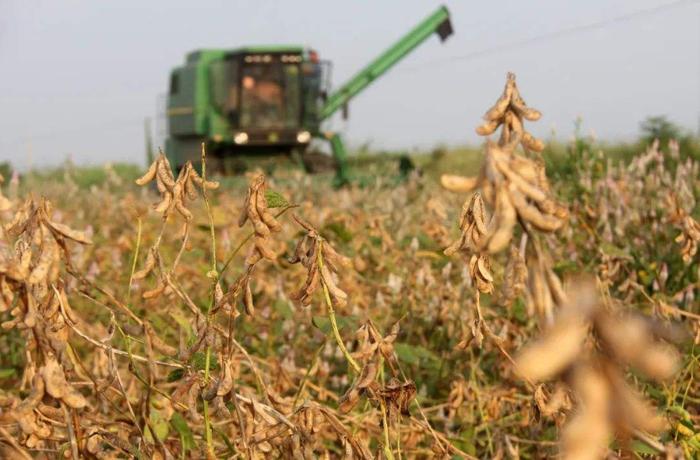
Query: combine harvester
<point x="268" y="100"/>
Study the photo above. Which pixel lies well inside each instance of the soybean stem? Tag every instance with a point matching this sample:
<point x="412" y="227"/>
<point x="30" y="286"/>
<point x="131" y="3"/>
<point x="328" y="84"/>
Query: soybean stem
<point x="331" y="314"/>
<point x="207" y="361"/>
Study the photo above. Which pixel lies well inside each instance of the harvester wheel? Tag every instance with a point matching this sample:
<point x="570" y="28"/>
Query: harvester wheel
<point x="317" y="162"/>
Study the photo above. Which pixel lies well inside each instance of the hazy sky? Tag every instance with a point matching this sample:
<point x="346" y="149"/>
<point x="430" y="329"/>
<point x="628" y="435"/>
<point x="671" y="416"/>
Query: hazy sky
<point x="78" y="77"/>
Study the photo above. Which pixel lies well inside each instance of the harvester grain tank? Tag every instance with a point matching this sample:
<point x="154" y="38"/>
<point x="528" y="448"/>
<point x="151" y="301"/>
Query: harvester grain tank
<point x="270" y="99"/>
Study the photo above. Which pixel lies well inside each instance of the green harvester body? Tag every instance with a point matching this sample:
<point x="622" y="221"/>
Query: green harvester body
<point x="266" y="100"/>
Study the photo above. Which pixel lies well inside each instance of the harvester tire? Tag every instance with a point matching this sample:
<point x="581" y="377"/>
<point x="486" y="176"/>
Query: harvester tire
<point x="317" y="162"/>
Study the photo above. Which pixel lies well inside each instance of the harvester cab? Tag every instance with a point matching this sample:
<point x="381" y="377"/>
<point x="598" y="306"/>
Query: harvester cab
<point x="268" y="100"/>
<point x="252" y="100"/>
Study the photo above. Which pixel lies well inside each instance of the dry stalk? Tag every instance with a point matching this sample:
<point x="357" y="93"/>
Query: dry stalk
<point x="264" y="224"/>
<point x="174" y="196"/>
<point x="517" y="189"/>
<point x="322" y="263"/>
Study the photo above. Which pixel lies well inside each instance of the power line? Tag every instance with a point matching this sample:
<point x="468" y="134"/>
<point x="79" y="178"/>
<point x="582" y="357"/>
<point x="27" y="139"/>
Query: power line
<point x="547" y="36"/>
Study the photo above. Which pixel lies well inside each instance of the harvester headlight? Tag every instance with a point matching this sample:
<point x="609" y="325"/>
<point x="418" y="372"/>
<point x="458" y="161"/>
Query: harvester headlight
<point x="303" y="137"/>
<point x="241" y="138"/>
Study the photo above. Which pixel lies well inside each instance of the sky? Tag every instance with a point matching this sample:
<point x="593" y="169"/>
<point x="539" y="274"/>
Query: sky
<point x="78" y="77"/>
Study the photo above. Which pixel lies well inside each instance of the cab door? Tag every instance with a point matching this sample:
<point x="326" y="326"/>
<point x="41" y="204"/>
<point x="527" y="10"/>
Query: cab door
<point x="181" y="102"/>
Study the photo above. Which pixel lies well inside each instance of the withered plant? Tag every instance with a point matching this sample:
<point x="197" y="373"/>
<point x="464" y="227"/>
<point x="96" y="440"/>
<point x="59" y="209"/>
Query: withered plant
<point x="179" y="334"/>
<point x="264" y="223"/>
<point x="174" y="194"/>
<point x="515" y="186"/>
<point x="322" y="263"/>
<point x="32" y="289"/>
<point x="517" y="190"/>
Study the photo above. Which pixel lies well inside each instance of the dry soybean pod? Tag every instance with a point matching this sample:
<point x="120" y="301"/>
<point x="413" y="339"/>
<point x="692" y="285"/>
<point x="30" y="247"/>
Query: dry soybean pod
<point x="499" y="108"/>
<point x="502" y="222"/>
<point x="530" y="213"/>
<point x="149" y="176"/>
<point x="531" y="143"/>
<point x="488" y="127"/>
<point x="458" y="183"/>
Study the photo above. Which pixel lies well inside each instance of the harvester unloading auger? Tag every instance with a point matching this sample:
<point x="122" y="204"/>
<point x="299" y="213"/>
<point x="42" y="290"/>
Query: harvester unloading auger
<point x="267" y="100"/>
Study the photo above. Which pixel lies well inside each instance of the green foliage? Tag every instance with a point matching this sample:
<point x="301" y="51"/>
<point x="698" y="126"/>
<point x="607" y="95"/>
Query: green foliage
<point x="340" y="230"/>
<point x="161" y="427"/>
<point x="84" y="177"/>
<point x="417" y="355"/>
<point x="175" y="375"/>
<point x="6" y="170"/>
<point x="275" y="200"/>
<point x="662" y="129"/>
<point x="455" y="160"/>
<point x="198" y="361"/>
<point x="12" y="359"/>
<point x="659" y="128"/>
<point x="586" y="158"/>
<point x="323" y="324"/>
<point x="186" y="437"/>
<point x="7" y="373"/>
<point x="519" y="310"/>
<point x="564" y="160"/>
<point x="283" y="309"/>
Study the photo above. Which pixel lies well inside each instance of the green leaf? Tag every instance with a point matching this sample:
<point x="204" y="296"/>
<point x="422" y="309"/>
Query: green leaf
<point x="199" y="361"/>
<point x="680" y="411"/>
<point x="466" y="441"/>
<point x="283" y="309"/>
<point x="7" y="373"/>
<point x="657" y="394"/>
<point x="186" y="437"/>
<point x="323" y="324"/>
<point x="339" y="230"/>
<point x="275" y="200"/>
<point x="160" y="425"/>
<point x="427" y="243"/>
<point x="642" y="448"/>
<point x="550" y="434"/>
<point x="406" y="353"/>
<point x="175" y="375"/>
<point x="413" y="354"/>
<point x="147" y="435"/>
<point x="183" y="322"/>
<point x="519" y="310"/>
<point x="611" y="250"/>
<point x="229" y="445"/>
